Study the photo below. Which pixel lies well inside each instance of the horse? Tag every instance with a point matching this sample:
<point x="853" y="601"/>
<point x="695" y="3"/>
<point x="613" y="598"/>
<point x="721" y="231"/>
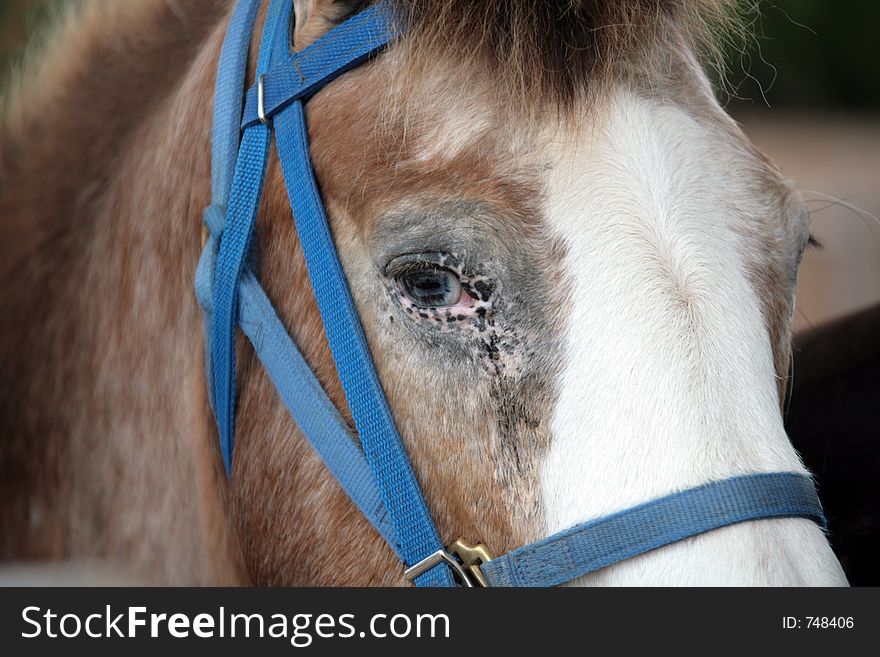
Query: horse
<point x="574" y="272"/>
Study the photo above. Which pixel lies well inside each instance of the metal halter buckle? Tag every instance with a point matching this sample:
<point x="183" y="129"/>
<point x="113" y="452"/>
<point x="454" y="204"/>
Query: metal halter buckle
<point x="464" y="559"/>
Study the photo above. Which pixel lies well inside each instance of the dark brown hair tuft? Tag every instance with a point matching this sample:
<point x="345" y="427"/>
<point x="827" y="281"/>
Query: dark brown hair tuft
<point x="552" y="50"/>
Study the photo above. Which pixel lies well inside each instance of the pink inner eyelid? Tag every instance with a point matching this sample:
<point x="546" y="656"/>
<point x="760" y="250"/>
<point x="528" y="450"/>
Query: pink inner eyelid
<point x="465" y="302"/>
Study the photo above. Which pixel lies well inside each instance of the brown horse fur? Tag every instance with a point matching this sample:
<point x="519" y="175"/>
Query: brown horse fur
<point x="108" y="446"/>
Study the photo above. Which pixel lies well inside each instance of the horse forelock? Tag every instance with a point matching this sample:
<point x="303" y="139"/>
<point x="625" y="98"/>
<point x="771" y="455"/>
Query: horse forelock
<point x="552" y="54"/>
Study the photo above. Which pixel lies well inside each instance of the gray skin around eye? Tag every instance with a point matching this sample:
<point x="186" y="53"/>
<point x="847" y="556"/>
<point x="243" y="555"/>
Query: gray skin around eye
<point x="505" y="358"/>
<point x="468" y="228"/>
<point x="505" y="275"/>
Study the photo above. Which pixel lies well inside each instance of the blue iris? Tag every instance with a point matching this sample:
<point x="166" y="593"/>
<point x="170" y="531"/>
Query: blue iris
<point x="431" y="288"/>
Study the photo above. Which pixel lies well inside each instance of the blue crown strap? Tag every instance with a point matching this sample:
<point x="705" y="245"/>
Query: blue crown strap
<point x="247" y="187"/>
<point x="599" y="543"/>
<point x="300" y="74"/>
<point x="383" y="448"/>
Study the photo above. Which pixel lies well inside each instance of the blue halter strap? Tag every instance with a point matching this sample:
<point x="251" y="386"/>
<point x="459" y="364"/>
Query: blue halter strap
<point x="379" y="478"/>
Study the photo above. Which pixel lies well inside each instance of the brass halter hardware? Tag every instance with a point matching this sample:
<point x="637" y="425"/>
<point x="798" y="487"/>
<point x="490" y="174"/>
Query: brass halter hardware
<point x="472" y="557"/>
<point x="465" y="559"/>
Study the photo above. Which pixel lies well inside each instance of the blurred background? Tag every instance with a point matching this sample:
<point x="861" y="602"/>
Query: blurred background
<point x="806" y="89"/>
<point x="807" y="92"/>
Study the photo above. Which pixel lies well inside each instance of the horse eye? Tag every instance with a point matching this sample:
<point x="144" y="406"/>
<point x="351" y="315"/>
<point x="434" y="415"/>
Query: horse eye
<point x="430" y="288"/>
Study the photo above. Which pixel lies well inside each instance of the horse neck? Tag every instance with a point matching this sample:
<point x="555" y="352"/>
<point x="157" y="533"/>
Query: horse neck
<point x="105" y="169"/>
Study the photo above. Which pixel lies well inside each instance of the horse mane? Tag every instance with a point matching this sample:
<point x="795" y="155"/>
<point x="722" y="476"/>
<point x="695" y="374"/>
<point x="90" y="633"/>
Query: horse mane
<point x="549" y="52"/>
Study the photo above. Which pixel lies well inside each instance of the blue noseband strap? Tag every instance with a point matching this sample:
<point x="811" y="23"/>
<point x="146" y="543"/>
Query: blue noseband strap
<point x="593" y="545"/>
<point x="379" y="479"/>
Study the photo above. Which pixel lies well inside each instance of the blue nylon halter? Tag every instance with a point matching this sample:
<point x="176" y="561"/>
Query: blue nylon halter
<point x="379" y="479"/>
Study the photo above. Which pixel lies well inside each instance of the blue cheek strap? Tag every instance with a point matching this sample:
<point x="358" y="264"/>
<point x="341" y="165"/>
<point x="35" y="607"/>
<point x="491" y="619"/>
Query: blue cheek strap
<point x="402" y="516"/>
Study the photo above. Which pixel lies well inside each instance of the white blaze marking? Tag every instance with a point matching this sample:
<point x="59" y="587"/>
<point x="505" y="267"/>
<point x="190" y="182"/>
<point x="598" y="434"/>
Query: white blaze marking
<point x="669" y="379"/>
